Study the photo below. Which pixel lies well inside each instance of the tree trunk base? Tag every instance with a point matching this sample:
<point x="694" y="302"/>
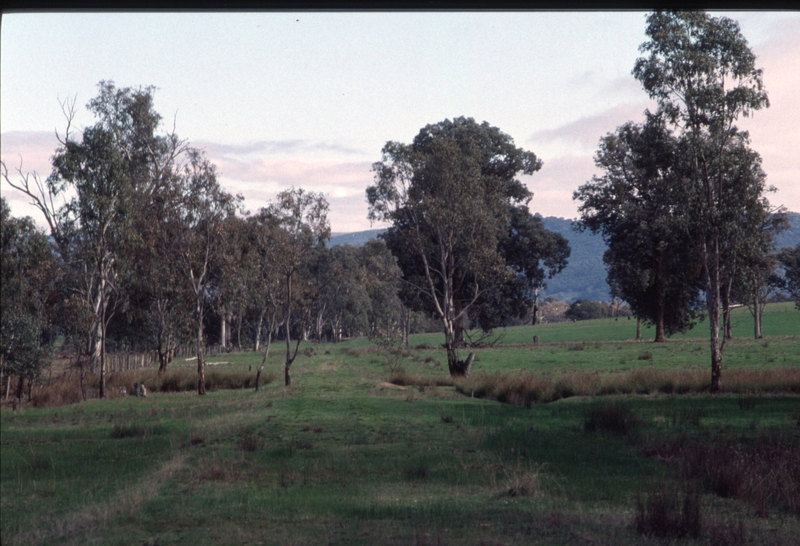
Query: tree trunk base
<point x="461" y="367"/>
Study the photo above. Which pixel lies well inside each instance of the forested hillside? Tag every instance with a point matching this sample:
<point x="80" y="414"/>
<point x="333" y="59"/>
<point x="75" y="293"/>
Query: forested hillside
<point x="585" y="276"/>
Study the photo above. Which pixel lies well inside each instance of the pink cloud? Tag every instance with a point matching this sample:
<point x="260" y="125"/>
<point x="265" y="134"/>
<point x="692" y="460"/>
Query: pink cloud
<point x="775" y="132"/>
<point x="588" y="130"/>
<point x="553" y="185"/>
<point x="31" y="149"/>
<point x="30" y="152"/>
<point x="296" y="172"/>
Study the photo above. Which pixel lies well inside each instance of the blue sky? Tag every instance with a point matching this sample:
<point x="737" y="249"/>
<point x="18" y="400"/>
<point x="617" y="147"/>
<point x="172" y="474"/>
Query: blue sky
<point x="308" y="99"/>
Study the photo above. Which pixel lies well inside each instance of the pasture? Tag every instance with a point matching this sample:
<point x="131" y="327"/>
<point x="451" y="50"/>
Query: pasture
<point x="373" y="446"/>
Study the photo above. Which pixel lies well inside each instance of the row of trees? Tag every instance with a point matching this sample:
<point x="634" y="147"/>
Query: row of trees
<point x="146" y="250"/>
<point x="681" y="202"/>
<point x="145" y="241"/>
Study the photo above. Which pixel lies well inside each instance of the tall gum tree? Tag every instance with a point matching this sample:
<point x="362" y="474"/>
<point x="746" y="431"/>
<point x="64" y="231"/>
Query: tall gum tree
<point x="636" y="208"/>
<point x="447" y="196"/>
<point x="103" y="179"/>
<point x="299" y="222"/>
<point x="195" y="223"/>
<point x="701" y="72"/>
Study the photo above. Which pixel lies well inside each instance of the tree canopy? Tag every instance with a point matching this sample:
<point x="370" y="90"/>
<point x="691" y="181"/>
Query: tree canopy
<point x="452" y="197"/>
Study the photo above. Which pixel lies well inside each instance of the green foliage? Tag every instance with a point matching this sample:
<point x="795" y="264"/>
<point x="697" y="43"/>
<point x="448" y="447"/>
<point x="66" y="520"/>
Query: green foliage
<point x="790" y="261"/>
<point x="460" y="228"/>
<point x="587" y="310"/>
<point x="24" y="347"/>
<point x="633" y="205"/>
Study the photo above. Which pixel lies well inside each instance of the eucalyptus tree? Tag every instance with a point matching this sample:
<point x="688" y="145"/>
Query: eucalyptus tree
<point x="28" y="274"/>
<point x="91" y="199"/>
<point x="535" y="254"/>
<point x="749" y="275"/>
<point x="299" y="223"/>
<point x="701" y="72"/>
<point x="265" y="294"/>
<point x="447" y="196"/>
<point x="789" y="259"/>
<point x="194" y="226"/>
<point x="387" y="316"/>
<point x="636" y="207"/>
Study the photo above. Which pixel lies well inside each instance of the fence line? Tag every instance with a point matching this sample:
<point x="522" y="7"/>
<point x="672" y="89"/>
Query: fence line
<point x="117" y="362"/>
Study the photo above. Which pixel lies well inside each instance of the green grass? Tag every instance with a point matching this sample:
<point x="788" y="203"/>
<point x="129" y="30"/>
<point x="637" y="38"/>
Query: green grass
<point x="341" y="457"/>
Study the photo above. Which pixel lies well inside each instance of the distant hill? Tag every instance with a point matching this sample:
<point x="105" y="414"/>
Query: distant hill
<point x="358" y="238"/>
<point x="585" y="276"/>
<point x="791" y="236"/>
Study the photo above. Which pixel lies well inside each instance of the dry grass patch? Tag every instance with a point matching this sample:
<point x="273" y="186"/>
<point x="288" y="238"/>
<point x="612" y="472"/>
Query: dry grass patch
<point x="766" y="475"/>
<point x="405" y="379"/>
<point x="614" y="417"/>
<point x="525" y="388"/>
<point x="669" y="512"/>
<point x="67" y="389"/>
<point x="523" y="482"/>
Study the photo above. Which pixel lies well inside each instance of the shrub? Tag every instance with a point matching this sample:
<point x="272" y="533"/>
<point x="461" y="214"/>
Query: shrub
<point x="614" y="417"/>
<point x="689" y="415"/>
<point x="128" y="431"/>
<point x="766" y="474"/>
<point x="248" y="443"/>
<point x="416" y="472"/>
<point x="747" y="402"/>
<point x="587" y="310"/>
<point x="523" y="388"/>
<point x="404" y="379"/>
<point x="523" y="482"/>
<point x="664" y="514"/>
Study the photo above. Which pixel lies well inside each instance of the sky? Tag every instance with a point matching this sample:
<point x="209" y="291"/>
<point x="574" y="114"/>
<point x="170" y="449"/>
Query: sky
<point x="280" y="99"/>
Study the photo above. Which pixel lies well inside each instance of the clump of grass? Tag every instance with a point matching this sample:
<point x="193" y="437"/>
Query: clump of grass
<point x="39" y="463"/>
<point x="667" y="512"/>
<point x="128" y="431"/>
<point x="765" y="474"/>
<point x="196" y="439"/>
<point x="355" y="351"/>
<point x="215" y="470"/>
<point x="67" y="390"/>
<point x="404" y="379"/>
<point x="690" y="415"/>
<point x="645" y="355"/>
<point x="523" y="482"/>
<point x="747" y="403"/>
<point x="727" y="532"/>
<point x="523" y="388"/>
<point x="59" y="392"/>
<point x="248" y="443"/>
<point x="416" y="472"/>
<point x="614" y="417"/>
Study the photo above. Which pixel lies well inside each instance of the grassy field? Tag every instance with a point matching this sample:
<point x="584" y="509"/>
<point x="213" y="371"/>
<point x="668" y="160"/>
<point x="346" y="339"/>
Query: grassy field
<point x="346" y="457"/>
